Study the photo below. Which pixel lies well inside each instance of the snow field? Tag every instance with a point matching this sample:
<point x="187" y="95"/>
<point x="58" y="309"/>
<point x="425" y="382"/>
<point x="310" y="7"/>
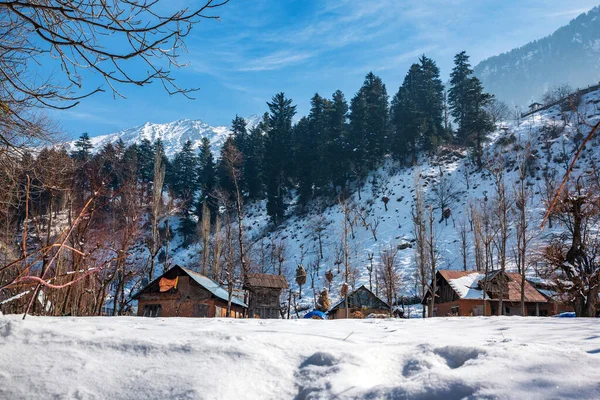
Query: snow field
<point x="450" y="358"/>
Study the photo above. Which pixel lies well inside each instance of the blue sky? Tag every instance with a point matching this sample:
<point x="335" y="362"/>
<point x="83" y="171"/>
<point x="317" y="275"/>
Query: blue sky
<point x="300" y="47"/>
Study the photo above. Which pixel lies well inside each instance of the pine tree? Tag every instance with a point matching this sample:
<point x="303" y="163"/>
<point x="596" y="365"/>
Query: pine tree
<point x="357" y="135"/>
<point x="369" y="124"/>
<point x="206" y="178"/>
<point x="377" y="118"/>
<point x="417" y="110"/>
<point x="336" y="148"/>
<point x="239" y="133"/>
<point x="222" y="170"/>
<point x="184" y="183"/>
<point x="83" y="148"/>
<point x="467" y="105"/>
<point x="252" y="174"/>
<point x="145" y="156"/>
<point x="431" y="104"/>
<point x="405" y="115"/>
<point x="278" y="155"/>
<point x="304" y="159"/>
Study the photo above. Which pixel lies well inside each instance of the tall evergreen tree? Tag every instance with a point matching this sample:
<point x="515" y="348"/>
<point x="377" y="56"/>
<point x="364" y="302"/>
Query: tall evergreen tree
<point x="305" y="160"/>
<point x="207" y="178"/>
<point x="467" y="105"/>
<point x="369" y="120"/>
<point x="239" y="133"/>
<point x="145" y="157"/>
<point x="431" y="104"/>
<point x="417" y="110"/>
<point x="405" y="115"/>
<point x="277" y="154"/>
<point x="184" y="183"/>
<point x="252" y="173"/>
<point x="337" y="162"/>
<point x="83" y="148"/>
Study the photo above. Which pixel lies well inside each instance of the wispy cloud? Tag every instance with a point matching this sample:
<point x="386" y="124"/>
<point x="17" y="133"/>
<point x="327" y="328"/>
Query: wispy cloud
<point x="569" y="12"/>
<point x="277" y="60"/>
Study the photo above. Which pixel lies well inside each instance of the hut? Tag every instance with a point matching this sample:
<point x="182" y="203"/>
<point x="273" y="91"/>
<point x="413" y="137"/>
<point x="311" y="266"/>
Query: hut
<point x="535" y="106"/>
<point x="181" y="292"/>
<point x="362" y="301"/>
<point x="264" y="292"/>
<point x="461" y="293"/>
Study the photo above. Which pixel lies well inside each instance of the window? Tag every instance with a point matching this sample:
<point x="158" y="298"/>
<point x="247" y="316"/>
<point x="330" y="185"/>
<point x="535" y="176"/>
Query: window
<point x="507" y="310"/>
<point x="202" y="310"/>
<point x="152" y="310"/>
<point x="454" y="310"/>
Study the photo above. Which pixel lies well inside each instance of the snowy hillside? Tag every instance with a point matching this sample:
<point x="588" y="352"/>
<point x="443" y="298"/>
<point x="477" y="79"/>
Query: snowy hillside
<point x="569" y="55"/>
<point x="395" y="227"/>
<point x="439" y="358"/>
<point x="173" y="134"/>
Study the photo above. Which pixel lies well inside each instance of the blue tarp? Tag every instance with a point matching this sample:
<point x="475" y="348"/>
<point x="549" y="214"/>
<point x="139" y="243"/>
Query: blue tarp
<point x="316" y="314"/>
<point x="565" y="315"/>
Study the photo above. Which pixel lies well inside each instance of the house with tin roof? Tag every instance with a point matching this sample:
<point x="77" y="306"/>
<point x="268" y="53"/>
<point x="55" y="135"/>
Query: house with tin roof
<point x="473" y="293"/>
<point x="181" y="292"/>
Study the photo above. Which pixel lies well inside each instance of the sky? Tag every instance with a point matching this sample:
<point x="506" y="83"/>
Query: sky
<point x="261" y="47"/>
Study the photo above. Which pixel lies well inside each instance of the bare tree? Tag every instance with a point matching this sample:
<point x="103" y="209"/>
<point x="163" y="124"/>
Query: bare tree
<point x="575" y="267"/>
<point x="317" y="227"/>
<point x="153" y="242"/>
<point x="370" y="267"/>
<point x="501" y="210"/>
<point x="522" y="193"/>
<point x="346" y="253"/>
<point x="478" y="237"/>
<point x="556" y="93"/>
<point x="94" y="37"/>
<point x="497" y="110"/>
<point x="233" y="159"/>
<point x="463" y="234"/>
<point x="420" y="234"/>
<point x="434" y="256"/>
<point x="205" y="235"/>
<point x="390" y="274"/>
<point x="280" y="253"/>
<point x="444" y="194"/>
<point x="373" y="224"/>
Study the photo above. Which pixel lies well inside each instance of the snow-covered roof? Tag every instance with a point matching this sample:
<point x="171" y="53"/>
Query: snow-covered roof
<point x="213" y="287"/>
<point x="467" y="286"/>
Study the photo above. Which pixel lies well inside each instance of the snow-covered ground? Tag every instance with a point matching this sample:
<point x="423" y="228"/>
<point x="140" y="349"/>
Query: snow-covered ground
<point x="449" y="358"/>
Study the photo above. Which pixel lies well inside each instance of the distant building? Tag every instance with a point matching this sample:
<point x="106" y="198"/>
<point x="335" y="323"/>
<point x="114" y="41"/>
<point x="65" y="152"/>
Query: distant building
<point x="264" y="292"/>
<point x="361" y="300"/>
<point x="461" y="293"/>
<point x="181" y="292"/>
<point x="535" y="106"/>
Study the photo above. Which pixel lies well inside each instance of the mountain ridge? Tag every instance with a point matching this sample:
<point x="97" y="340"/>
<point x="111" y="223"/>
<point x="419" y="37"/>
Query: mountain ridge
<point x="173" y="134"/>
<point x="523" y="74"/>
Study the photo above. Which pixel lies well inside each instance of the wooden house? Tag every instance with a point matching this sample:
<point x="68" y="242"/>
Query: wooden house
<point x="361" y="300"/>
<point x="181" y="292"/>
<point x="264" y="292"/>
<point x="461" y="293"/>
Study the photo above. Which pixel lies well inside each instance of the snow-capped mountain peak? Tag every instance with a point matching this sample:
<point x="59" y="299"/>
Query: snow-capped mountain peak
<point x="173" y="135"/>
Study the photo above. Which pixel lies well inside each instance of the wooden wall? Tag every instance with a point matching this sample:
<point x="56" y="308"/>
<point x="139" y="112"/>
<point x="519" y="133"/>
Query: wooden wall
<point x="188" y="300"/>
